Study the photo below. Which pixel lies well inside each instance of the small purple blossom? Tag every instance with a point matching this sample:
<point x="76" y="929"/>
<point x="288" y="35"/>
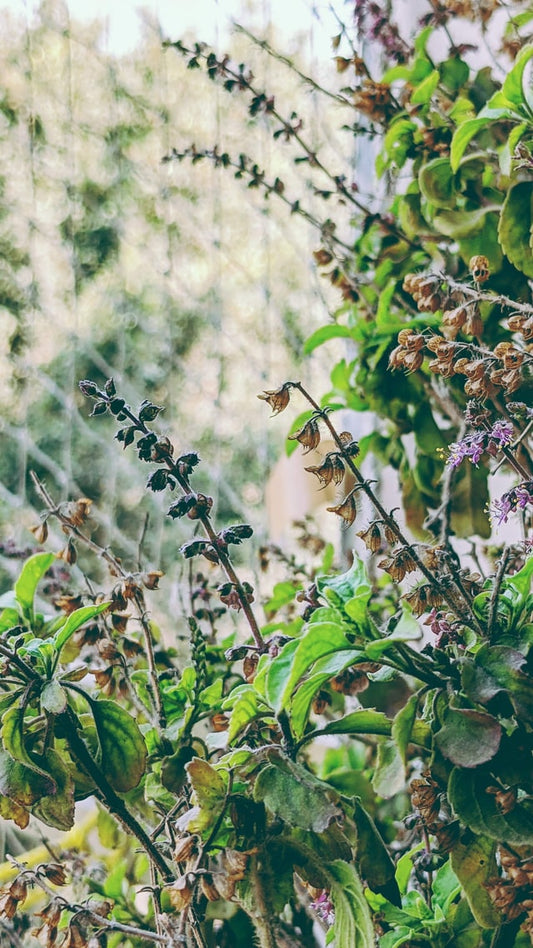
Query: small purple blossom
<point x="474" y="445"/>
<point x="324" y="907"/>
<point x="502" y="433"/>
<point x="471" y="446"/>
<point x="518" y="498"/>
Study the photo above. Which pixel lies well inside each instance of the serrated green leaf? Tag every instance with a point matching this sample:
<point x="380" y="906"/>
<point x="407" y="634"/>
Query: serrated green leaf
<point x="123" y="751"/>
<point x="30" y="576"/>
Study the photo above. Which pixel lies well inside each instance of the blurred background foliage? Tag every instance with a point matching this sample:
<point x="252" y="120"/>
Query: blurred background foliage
<point x="189" y="288"/>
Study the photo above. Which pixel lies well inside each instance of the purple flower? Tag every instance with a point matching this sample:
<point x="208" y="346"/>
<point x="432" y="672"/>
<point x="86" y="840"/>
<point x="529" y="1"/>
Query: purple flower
<point x="471" y="446"/>
<point x="323" y="906"/>
<point x="517" y="498"/>
<point x="502" y="433"/>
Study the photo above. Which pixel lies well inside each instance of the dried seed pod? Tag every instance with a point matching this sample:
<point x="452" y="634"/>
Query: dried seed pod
<point x="40" y="532"/>
<point x="479" y="268"/>
<point x="347" y="510"/>
<point x="186" y="846"/>
<point x="278" y="398"/>
<point x="180" y="893"/>
<point x="209" y="888"/>
<point x="308" y="436"/>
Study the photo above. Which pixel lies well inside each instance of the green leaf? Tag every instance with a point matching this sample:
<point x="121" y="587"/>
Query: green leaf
<point x="446" y="887"/>
<point x="75" y="620"/>
<point x="210" y="790"/>
<point x="293" y="794"/>
<point x="324" y="670"/>
<point x="9" y="617"/>
<point x="467" y="130"/>
<point x="436" y="181"/>
<point x="324" y="334"/>
<point x="354" y="582"/>
<point x="246" y="708"/>
<point x="468" y="738"/>
<point x="297" y="657"/>
<point x="479" y="810"/>
<point x="353" y="923"/>
<point x="123" y="751"/>
<point x="513" y="87"/>
<point x="521" y="581"/>
<point x="31" y="574"/>
<point x="515" y="227"/>
<point x="454" y="72"/>
<point x="407" y="630"/>
<point x="459" y="223"/>
<point x="373" y="859"/>
<point x="368" y="721"/>
<point x="474" y="864"/>
<point x="402" y="726"/>
<point x="426" y="88"/>
<point x="389" y="774"/>
<point x="53" y="697"/>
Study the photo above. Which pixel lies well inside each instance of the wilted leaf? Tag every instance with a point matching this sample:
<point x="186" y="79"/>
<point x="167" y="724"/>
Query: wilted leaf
<point x="497" y="668"/>
<point x="10" y="810"/>
<point x="123" y="751"/>
<point x="57" y="809"/>
<point x="293" y="794"/>
<point x="402" y="726"/>
<point x="436" y="180"/>
<point x="468" y="738"/>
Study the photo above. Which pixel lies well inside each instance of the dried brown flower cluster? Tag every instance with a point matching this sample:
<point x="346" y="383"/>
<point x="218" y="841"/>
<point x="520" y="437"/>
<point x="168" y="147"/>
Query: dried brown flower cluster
<point x="512" y="892"/>
<point x="375" y="100"/>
